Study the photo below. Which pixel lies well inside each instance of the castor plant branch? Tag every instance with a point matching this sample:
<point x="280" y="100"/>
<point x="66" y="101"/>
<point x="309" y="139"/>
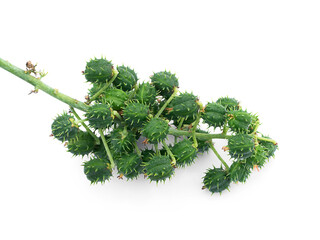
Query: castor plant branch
<point x="105" y="144"/>
<point x="38" y="84"/>
<point x="124" y="111"/>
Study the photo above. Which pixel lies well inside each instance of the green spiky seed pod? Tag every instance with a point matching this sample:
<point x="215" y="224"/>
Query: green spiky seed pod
<point x="116" y="98"/>
<point x="259" y="157"/>
<point x="156" y="130"/>
<point x="159" y="168"/>
<point x="97" y="170"/>
<point x="241" y="146"/>
<point x="98" y="70"/>
<point x="239" y="171"/>
<point x="229" y="103"/>
<point x="63" y="129"/>
<point x="146" y="155"/>
<point x="82" y="144"/>
<point x="121" y="140"/>
<point x="185" y="105"/>
<point x="216" y="180"/>
<point x="239" y="121"/>
<point x="129" y="165"/>
<point x="126" y="78"/>
<point x="214" y="115"/>
<point x="270" y="147"/>
<point x="165" y="82"/>
<point x="135" y="114"/>
<point x="254" y="123"/>
<point x="146" y="94"/>
<point x="99" y="116"/>
<point x="184" y="152"/>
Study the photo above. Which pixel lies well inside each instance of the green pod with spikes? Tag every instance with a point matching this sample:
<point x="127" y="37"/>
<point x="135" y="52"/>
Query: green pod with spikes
<point x="146" y="94"/>
<point x="184" y="152"/>
<point x="98" y="70"/>
<point x="184" y="106"/>
<point x="97" y="170"/>
<point x="135" y="114"/>
<point x="229" y="103"/>
<point x="159" y="168"/>
<point x="165" y="82"/>
<point x="63" y="128"/>
<point x="156" y="130"/>
<point x="126" y="78"/>
<point x="122" y="140"/>
<point x="129" y="165"/>
<point x="146" y="155"/>
<point x="270" y="147"/>
<point x="259" y="158"/>
<point x="239" y="171"/>
<point x="216" y="180"/>
<point x="239" y="121"/>
<point x="214" y="115"/>
<point x="241" y="146"/>
<point x="82" y="144"/>
<point x="99" y="116"/>
<point x="116" y="98"/>
<point x="254" y="123"/>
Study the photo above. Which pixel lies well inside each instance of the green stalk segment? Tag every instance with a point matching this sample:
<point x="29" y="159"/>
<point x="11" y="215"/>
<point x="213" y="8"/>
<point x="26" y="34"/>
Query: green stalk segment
<point x="218" y="156"/>
<point x="175" y="91"/>
<point x="107" y="148"/>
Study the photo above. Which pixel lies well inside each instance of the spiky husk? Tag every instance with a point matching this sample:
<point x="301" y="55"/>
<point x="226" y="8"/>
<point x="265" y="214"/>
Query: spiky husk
<point x="63" y="129"/>
<point x="116" y="98"/>
<point x="239" y="171"/>
<point x="129" y="165"/>
<point x="159" y="168"/>
<point x="99" y="116"/>
<point x="126" y="78"/>
<point x="216" y="180"/>
<point x="270" y="147"/>
<point x="259" y="158"/>
<point x="184" y="106"/>
<point x="241" y="146"/>
<point x="97" y="170"/>
<point x="214" y="115"/>
<point x="135" y="114"/>
<point x="82" y="144"/>
<point x="184" y="152"/>
<point x="229" y="103"/>
<point x="121" y="140"/>
<point x="156" y="130"/>
<point x="98" y="70"/>
<point x="239" y="121"/>
<point x="146" y="94"/>
<point x="147" y="155"/>
<point x="165" y="83"/>
<point x="254" y="123"/>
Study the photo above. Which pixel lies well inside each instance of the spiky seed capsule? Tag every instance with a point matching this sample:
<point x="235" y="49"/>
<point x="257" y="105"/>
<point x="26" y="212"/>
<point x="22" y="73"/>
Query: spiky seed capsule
<point x="97" y="170"/>
<point x="98" y="70"/>
<point x="159" y="168"/>
<point x="63" y="129"/>
<point x="185" y="105"/>
<point x="129" y="165"/>
<point x="126" y="78"/>
<point x="216" y="180"/>
<point x="259" y="157"/>
<point x="82" y="144"/>
<point x="156" y="130"/>
<point x="184" y="152"/>
<point x="121" y="140"/>
<point x="239" y="121"/>
<point x="241" y="146"/>
<point x="135" y="114"/>
<point x="229" y="103"/>
<point x="147" y="155"/>
<point x="270" y="147"/>
<point x="146" y="94"/>
<point x="214" y="115"/>
<point x="116" y="98"/>
<point x="165" y="83"/>
<point x="254" y="123"/>
<point x="99" y="116"/>
<point x="239" y="171"/>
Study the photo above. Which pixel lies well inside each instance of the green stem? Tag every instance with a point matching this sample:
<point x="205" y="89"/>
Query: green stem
<point x="114" y="75"/>
<point x="225" y="128"/>
<point x="84" y="125"/>
<point x="179" y="127"/>
<point x="267" y="140"/>
<point x="194" y="128"/>
<point x="175" y="91"/>
<point x="107" y="148"/>
<point x="169" y="152"/>
<point x="218" y="156"/>
<point x="137" y="148"/>
<point x="200" y="136"/>
<point x="38" y="84"/>
<point x="156" y="148"/>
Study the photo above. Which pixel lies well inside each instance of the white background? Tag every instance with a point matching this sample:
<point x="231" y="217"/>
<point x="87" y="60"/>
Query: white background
<point x="264" y="53"/>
